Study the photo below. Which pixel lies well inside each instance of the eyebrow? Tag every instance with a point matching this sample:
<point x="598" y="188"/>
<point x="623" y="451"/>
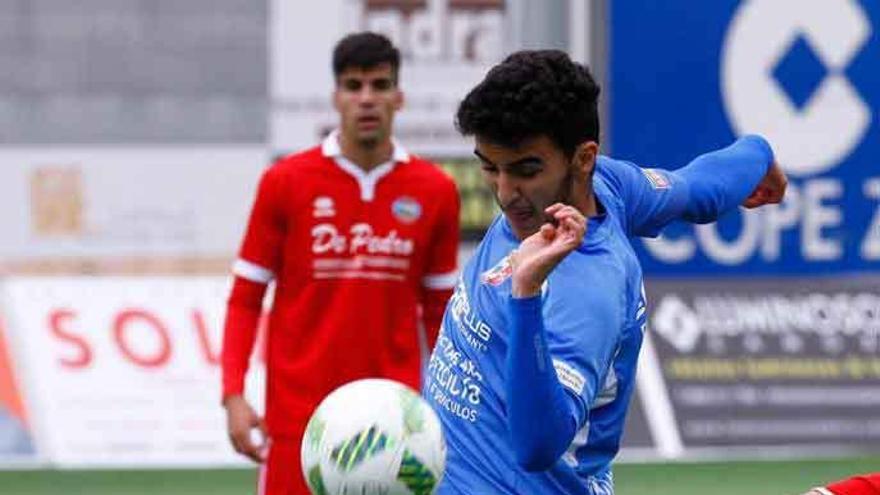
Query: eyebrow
<point x="368" y="80"/>
<point x="516" y="163"/>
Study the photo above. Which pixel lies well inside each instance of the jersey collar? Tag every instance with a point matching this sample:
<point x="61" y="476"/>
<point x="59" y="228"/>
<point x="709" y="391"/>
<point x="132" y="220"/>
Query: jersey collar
<point x="366" y="180"/>
<point x="331" y="149"/>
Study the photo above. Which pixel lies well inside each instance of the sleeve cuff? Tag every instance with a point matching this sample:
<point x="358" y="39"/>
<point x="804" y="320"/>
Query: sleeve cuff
<point x="252" y="271"/>
<point x="762" y="145"/>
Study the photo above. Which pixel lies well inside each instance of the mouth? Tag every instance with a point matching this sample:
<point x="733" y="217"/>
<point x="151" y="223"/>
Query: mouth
<point x="520" y="216"/>
<point x="368" y="122"/>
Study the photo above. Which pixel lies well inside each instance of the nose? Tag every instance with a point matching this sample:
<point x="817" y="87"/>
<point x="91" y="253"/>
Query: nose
<point x="506" y="188"/>
<point x="366" y="95"/>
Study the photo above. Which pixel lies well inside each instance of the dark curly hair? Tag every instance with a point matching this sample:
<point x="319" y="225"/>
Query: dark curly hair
<point x="533" y="93"/>
<point x="365" y="50"/>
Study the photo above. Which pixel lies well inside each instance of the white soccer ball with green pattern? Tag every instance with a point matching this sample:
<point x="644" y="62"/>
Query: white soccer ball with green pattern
<point x="373" y="437"/>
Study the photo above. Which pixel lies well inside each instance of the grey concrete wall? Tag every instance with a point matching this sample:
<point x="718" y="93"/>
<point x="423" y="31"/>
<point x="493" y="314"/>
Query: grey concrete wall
<point x="132" y="71"/>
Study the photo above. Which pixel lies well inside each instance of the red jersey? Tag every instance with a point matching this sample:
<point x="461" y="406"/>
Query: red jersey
<point x="356" y="257"/>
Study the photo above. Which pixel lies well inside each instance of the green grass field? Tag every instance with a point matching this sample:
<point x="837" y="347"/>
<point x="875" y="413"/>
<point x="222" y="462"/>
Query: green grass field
<point x="716" y="478"/>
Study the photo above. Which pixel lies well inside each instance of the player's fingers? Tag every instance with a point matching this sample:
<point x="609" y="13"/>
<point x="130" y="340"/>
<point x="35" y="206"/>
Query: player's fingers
<point x="236" y="442"/>
<point x="578" y="224"/>
<point x="245" y="447"/>
<point x="566" y="222"/>
<point x="259" y="453"/>
<point x="571" y="213"/>
<point x="240" y="436"/>
<point x="567" y="212"/>
<point x="252" y="452"/>
<point x="775" y="196"/>
<point x="233" y="443"/>
<point x="757" y="198"/>
<point x="560" y="209"/>
<point x="751" y="203"/>
<point x="570" y="232"/>
<point x="552" y="209"/>
<point x="576" y="228"/>
<point x="264" y="438"/>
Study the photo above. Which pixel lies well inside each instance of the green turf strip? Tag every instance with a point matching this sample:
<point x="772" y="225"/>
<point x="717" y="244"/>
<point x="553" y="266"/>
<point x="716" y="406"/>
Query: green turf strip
<point x="736" y="478"/>
<point x="716" y="478"/>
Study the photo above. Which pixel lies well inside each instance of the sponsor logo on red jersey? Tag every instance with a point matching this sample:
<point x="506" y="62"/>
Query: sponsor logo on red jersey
<point x="360" y="239"/>
<point x="360" y="253"/>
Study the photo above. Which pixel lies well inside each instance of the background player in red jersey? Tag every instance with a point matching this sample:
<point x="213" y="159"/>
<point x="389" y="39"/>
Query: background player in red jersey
<point x="361" y="239"/>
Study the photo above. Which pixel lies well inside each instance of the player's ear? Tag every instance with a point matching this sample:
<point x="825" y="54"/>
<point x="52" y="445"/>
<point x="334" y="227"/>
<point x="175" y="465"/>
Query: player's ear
<point x="585" y="158"/>
<point x="398" y="99"/>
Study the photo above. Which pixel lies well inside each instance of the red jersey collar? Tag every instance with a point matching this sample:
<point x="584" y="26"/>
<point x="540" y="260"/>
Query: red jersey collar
<point x="366" y="180"/>
<point x="331" y="149"/>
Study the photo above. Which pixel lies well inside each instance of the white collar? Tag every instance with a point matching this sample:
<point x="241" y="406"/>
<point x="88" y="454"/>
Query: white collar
<point x="366" y="180"/>
<point x="331" y="149"/>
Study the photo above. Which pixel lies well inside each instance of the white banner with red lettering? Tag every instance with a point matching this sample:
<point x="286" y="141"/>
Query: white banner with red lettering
<point x="123" y="371"/>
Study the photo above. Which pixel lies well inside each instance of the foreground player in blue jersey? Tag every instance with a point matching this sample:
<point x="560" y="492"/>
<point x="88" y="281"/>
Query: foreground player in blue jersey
<point x="534" y="366"/>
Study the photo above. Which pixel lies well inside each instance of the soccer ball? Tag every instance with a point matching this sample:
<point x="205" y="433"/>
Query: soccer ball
<point x="373" y="437"/>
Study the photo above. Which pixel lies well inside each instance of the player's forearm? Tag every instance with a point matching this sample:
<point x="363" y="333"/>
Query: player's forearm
<point x="540" y="414"/>
<point x="239" y="333"/>
<point x="721" y="180"/>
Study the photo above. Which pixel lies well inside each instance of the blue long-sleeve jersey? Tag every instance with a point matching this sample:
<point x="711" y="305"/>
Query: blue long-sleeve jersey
<point x="533" y="393"/>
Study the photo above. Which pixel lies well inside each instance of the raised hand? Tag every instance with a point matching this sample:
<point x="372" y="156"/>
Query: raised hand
<point x="770" y="190"/>
<point x="539" y="253"/>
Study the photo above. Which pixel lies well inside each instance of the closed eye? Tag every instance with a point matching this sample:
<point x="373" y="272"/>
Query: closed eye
<point x="527" y="173"/>
<point x="525" y="168"/>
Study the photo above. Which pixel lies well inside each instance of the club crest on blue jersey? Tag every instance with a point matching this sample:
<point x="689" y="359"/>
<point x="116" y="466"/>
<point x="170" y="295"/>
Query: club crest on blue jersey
<point x="496" y="275"/>
<point x="656" y="177"/>
<point x="406" y="209"/>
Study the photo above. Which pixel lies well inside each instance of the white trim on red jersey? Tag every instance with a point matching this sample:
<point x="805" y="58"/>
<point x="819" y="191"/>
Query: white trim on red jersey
<point x="367" y="180"/>
<point x="252" y="271"/>
<point x="440" y="280"/>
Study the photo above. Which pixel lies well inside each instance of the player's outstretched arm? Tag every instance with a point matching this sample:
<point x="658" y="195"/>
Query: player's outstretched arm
<point x="744" y="173"/>
<point x="542" y="417"/>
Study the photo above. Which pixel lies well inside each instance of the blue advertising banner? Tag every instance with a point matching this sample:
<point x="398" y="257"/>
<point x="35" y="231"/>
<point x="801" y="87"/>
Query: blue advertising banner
<point x="688" y="77"/>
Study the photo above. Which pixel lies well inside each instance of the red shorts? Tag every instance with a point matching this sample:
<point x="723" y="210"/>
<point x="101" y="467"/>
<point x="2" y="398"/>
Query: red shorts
<point x="281" y="474"/>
